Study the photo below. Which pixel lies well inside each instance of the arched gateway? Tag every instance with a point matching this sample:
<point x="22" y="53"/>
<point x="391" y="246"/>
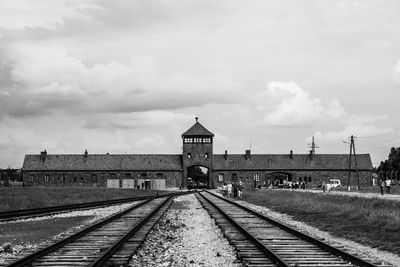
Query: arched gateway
<point x="197" y="156"/>
<point x="198" y="177"/>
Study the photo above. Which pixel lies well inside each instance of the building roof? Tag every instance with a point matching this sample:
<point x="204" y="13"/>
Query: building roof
<point x="197" y="130"/>
<point x="284" y="162"/>
<point x="102" y="162"/>
<point x="234" y="162"/>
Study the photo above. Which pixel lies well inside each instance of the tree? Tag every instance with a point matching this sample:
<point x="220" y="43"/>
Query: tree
<point x="393" y="161"/>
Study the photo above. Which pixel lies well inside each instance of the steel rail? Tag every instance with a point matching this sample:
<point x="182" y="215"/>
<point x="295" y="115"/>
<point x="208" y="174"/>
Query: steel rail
<point x="32" y="257"/>
<point x="333" y="250"/>
<point x="119" y="243"/>
<point x="17" y="214"/>
<point x="265" y="249"/>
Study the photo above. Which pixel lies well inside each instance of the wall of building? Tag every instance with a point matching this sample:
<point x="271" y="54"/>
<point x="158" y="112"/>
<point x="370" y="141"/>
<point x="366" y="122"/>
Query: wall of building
<point x="197" y="157"/>
<point x="312" y="178"/>
<point x="97" y="178"/>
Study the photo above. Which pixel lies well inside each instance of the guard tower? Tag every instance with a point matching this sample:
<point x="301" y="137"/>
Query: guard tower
<point x="197" y="157"/>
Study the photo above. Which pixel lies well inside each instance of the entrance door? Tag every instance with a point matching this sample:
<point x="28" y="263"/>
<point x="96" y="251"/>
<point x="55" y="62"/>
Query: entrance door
<point x="197" y="177"/>
<point x="147" y="184"/>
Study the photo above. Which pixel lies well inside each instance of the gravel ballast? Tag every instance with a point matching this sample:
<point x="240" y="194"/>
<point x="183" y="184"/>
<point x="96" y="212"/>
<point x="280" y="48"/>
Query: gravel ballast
<point x="350" y="246"/>
<point x="10" y="249"/>
<point x="185" y="236"/>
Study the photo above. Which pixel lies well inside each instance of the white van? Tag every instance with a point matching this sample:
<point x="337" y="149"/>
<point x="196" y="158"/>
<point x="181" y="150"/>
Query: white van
<point x="335" y="183"/>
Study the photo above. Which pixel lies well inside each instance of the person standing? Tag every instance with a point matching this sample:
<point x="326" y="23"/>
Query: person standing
<point x="224" y="190"/>
<point x="382" y="186"/>
<point x="239" y="189"/>
<point x="234" y="189"/>
<point x="388" y="184"/>
<point x="229" y="190"/>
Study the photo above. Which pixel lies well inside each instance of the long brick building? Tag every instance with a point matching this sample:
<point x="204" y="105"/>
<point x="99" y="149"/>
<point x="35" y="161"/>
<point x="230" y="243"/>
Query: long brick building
<point x="197" y="165"/>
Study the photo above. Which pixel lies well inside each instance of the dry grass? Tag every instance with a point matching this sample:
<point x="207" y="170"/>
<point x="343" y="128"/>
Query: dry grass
<point x="36" y="197"/>
<point x="394" y="190"/>
<point x="373" y="222"/>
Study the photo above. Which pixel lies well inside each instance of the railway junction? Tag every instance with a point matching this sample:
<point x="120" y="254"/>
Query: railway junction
<point x="193" y="228"/>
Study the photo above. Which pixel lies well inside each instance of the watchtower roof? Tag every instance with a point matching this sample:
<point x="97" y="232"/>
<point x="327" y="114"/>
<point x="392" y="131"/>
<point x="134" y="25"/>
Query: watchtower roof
<point x="197" y="130"/>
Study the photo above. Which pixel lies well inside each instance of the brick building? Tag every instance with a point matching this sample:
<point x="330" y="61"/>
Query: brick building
<point x="197" y="165"/>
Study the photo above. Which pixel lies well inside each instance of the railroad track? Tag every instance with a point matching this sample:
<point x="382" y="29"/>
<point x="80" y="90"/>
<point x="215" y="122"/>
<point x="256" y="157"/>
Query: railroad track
<point x="110" y="242"/>
<point x="28" y="213"/>
<point x="261" y="241"/>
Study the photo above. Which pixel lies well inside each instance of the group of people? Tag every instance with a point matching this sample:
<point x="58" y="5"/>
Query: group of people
<point x="230" y="190"/>
<point x="385" y="184"/>
<point x="285" y="184"/>
<point x="326" y="186"/>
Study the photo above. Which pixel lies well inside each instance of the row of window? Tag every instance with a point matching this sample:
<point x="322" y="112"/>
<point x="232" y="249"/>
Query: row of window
<point x="189" y="155"/>
<point x="256" y="178"/>
<point x="61" y="178"/>
<point x="197" y="140"/>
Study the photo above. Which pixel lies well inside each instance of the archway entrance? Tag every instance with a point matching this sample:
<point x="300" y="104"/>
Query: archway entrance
<point x="279" y="179"/>
<point x="197" y="177"/>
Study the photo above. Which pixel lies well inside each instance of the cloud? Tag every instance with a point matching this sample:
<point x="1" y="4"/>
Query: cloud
<point x="397" y="72"/>
<point x="137" y="120"/>
<point x="296" y="106"/>
<point x="42" y="13"/>
<point x="48" y="79"/>
<point x="356" y="130"/>
<point x="358" y="119"/>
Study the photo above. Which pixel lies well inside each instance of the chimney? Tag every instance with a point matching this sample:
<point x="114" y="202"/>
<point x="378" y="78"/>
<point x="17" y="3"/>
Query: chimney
<point x="291" y="154"/>
<point x="247" y="155"/>
<point x="311" y="154"/>
<point x="43" y="155"/>
<point x="86" y="153"/>
<point x="226" y="155"/>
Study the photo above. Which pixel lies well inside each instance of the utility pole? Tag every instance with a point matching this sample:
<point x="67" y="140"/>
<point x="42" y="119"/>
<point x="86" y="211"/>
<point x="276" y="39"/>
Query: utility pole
<point x="353" y="151"/>
<point x="313" y="146"/>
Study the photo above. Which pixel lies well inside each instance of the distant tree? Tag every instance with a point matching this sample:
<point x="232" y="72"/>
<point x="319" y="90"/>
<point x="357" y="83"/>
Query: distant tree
<point x="393" y="161"/>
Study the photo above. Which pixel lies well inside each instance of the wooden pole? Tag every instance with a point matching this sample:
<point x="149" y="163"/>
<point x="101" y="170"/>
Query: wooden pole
<point x="348" y="177"/>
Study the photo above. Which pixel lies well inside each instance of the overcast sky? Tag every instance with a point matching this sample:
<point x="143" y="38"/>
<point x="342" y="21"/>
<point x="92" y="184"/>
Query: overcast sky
<point x="131" y="76"/>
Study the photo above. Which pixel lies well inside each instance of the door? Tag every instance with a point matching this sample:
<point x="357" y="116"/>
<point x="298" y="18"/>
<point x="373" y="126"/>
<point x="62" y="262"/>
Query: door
<point x="112" y="183"/>
<point x="128" y="183"/>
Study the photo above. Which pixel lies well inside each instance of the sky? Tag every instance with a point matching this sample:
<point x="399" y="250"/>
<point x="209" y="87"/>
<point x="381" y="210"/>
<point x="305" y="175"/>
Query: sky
<point x="131" y="76"/>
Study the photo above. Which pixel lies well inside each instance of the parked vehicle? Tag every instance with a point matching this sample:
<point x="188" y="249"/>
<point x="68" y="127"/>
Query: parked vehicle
<point x="335" y="183"/>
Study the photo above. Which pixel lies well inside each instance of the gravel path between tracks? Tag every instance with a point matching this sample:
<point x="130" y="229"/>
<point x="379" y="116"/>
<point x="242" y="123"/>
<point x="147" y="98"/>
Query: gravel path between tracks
<point x="9" y="250"/>
<point x="185" y="236"/>
<point x="348" y="245"/>
<point x="98" y="213"/>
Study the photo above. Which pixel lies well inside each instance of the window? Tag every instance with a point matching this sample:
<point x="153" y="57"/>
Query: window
<point x="159" y="175"/>
<point x="207" y="140"/>
<point x="75" y="179"/>
<point x="31" y="177"/>
<point x="94" y="178"/>
<point x="189" y="155"/>
<point x="206" y="155"/>
<point x="81" y="179"/>
<point x="221" y="177"/>
<point x="46" y="178"/>
<point x="197" y="140"/>
<point x="127" y="175"/>
<point x="187" y="140"/>
<point x="112" y="175"/>
<point x="309" y="179"/>
<point x="62" y="178"/>
<point x="256" y="177"/>
<point x="234" y="177"/>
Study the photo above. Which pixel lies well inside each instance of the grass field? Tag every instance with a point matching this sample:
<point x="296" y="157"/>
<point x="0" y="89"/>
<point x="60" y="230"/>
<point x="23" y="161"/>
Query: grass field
<point x="394" y="190"/>
<point x="36" y="197"/>
<point x="373" y="222"/>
